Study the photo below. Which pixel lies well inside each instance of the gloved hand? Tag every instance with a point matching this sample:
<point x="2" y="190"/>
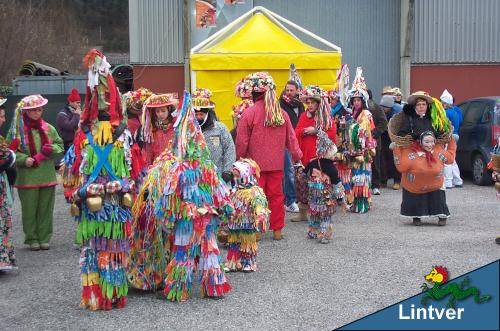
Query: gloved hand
<point x="227" y="176"/>
<point x="46" y="150"/>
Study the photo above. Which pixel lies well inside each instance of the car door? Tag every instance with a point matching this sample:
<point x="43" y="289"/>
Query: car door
<point x="470" y="132"/>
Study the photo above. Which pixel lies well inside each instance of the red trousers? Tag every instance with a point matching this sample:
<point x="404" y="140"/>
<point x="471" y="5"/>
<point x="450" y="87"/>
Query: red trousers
<point x="272" y="184"/>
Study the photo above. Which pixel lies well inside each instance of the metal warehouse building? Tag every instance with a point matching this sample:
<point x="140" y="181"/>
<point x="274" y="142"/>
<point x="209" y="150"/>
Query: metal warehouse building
<point x="416" y="44"/>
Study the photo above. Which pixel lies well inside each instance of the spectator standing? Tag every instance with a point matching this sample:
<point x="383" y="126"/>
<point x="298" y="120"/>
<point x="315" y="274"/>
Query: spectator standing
<point x="68" y="118"/>
<point x="454" y="114"/>
<point x="291" y="104"/>
<point x="387" y="168"/>
<point x="380" y="121"/>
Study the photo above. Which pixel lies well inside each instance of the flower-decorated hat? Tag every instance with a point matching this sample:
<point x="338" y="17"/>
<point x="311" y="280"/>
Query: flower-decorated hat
<point x="155" y="101"/>
<point x="134" y="100"/>
<point x="240" y="108"/>
<point x="201" y="99"/>
<point x="2" y="101"/>
<point x="161" y="100"/>
<point x="33" y="101"/>
<point x="263" y="82"/>
<point x="312" y="92"/>
<point x="322" y="116"/>
<point x="243" y="91"/>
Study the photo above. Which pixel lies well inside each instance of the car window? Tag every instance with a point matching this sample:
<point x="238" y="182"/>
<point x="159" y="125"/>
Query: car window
<point x="488" y="113"/>
<point x="474" y="112"/>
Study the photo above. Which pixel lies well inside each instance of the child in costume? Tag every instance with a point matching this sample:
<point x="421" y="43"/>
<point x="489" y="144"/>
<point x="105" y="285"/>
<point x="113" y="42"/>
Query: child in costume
<point x="99" y="184"/>
<point x="150" y="242"/>
<point x="157" y="131"/>
<point x="251" y="216"/>
<point x="36" y="144"/>
<point x="182" y="193"/>
<point x="325" y="189"/>
<point x="7" y="164"/>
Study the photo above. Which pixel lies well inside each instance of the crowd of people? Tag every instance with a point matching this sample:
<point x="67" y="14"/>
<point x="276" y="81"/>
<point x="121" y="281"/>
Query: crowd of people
<point x="156" y="182"/>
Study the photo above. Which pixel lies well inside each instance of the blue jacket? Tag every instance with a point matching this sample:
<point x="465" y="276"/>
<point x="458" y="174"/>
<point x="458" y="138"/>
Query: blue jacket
<point x="454" y="114"/>
<point x="397" y="108"/>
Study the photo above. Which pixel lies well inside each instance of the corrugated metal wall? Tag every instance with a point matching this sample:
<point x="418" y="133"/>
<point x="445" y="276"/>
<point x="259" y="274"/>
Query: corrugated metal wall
<point x="367" y="31"/>
<point x="457" y="31"/>
<point x="156" y="31"/>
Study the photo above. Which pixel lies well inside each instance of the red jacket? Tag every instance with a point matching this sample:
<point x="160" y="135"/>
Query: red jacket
<point x="307" y="143"/>
<point x="265" y="145"/>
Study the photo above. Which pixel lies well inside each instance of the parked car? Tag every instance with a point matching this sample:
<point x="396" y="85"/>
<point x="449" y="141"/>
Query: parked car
<point x="479" y="133"/>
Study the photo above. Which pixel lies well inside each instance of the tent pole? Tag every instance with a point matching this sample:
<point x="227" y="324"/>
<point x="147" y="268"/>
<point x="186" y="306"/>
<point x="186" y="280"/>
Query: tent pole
<point x="187" y="44"/>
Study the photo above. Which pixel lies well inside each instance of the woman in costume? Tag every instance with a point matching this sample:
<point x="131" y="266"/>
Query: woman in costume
<point x="251" y="216"/>
<point x="316" y="118"/>
<point x="7" y="163"/>
<point x="157" y="131"/>
<point x="325" y="189"/>
<point x="100" y="186"/>
<point x="421" y="166"/>
<point x="182" y="193"/>
<point x="36" y="144"/>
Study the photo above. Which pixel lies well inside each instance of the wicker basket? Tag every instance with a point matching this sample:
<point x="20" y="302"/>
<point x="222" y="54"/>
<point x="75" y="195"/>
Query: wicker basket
<point x="495" y="161"/>
<point x="395" y="124"/>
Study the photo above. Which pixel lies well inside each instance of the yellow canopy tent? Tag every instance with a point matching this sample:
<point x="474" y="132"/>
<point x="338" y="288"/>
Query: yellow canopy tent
<point x="262" y="43"/>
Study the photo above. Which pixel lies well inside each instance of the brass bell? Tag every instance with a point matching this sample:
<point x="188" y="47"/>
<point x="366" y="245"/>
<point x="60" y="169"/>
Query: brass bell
<point x="359" y="159"/>
<point x="127" y="200"/>
<point x="94" y="203"/>
<point x="75" y="210"/>
<point x="339" y="156"/>
<point x="372" y="152"/>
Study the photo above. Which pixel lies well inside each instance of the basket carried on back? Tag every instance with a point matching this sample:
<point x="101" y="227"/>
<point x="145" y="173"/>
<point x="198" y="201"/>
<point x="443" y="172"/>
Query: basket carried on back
<point x="495" y="161"/>
<point x="395" y="124"/>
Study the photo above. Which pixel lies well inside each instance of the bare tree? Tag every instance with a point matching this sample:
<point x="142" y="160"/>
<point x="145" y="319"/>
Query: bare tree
<point x="44" y="31"/>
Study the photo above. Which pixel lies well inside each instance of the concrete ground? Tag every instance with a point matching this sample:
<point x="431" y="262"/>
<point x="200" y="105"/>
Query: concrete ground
<point x="374" y="260"/>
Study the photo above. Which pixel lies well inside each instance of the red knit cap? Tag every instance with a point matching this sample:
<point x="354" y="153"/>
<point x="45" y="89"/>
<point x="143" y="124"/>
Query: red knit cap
<point x="74" y="96"/>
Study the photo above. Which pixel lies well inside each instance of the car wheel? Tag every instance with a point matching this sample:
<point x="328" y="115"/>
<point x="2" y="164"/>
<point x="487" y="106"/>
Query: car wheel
<point x="480" y="173"/>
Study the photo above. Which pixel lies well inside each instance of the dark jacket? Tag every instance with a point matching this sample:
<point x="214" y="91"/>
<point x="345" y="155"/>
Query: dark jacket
<point x="379" y="119"/>
<point x="414" y="124"/>
<point x="289" y="108"/>
<point x="326" y="166"/>
<point x="67" y="124"/>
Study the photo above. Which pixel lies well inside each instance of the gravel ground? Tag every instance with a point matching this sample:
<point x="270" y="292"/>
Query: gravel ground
<point x="374" y="260"/>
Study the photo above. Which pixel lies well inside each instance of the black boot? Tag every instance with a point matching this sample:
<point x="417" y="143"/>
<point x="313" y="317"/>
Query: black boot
<point x="417" y="221"/>
<point x="442" y="222"/>
<point x="497" y="240"/>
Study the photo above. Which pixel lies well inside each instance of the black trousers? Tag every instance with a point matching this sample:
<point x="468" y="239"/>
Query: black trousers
<point x="387" y="168"/>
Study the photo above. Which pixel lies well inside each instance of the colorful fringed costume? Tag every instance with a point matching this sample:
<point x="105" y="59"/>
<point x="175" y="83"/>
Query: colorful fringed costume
<point x="183" y="194"/>
<point x="324" y="189"/>
<point x="98" y="182"/>
<point x="251" y="216"/>
<point x="358" y="149"/>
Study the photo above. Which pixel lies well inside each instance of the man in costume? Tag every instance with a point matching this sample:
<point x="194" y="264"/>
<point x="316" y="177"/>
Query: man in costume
<point x="264" y="131"/>
<point x="98" y="183"/>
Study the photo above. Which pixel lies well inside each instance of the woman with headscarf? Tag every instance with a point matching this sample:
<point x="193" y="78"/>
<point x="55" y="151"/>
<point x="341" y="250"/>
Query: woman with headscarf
<point x="421" y="166"/>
